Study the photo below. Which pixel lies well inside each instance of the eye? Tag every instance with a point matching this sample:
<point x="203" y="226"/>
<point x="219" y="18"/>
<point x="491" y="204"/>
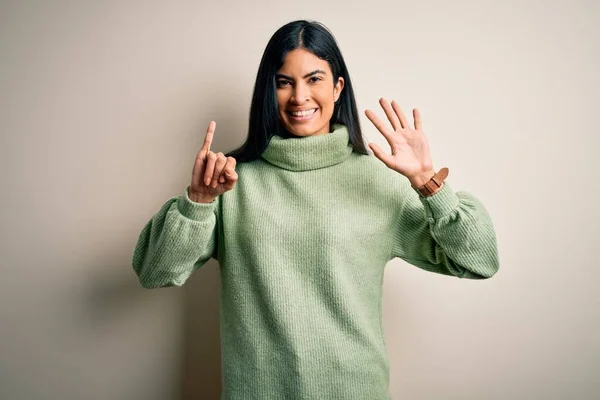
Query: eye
<point x="316" y="78"/>
<point x="282" y="82"/>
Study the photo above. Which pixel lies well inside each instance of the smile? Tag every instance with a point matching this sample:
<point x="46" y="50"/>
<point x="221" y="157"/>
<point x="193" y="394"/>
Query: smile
<point x="302" y="115"/>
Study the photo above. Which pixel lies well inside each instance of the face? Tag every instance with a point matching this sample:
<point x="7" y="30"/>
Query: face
<point x="305" y="83"/>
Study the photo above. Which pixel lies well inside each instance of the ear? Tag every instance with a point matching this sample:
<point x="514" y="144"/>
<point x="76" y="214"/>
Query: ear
<point x="337" y="90"/>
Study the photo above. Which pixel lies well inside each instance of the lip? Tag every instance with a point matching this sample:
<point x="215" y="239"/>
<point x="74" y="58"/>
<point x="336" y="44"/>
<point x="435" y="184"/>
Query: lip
<point x="302" y="109"/>
<point x="303" y="118"/>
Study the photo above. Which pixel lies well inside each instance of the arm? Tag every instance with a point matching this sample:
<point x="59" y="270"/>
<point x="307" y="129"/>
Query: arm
<point x="446" y="233"/>
<point x="179" y="239"/>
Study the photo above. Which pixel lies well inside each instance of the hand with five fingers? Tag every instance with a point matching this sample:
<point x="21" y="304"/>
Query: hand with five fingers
<point x="410" y="149"/>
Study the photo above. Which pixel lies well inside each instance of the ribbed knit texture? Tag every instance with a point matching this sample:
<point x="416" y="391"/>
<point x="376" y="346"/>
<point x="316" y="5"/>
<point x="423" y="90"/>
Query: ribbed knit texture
<point x="302" y="242"/>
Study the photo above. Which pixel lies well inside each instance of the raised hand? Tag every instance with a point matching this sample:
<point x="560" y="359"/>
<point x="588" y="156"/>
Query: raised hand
<point x="213" y="173"/>
<point x="410" y="149"/>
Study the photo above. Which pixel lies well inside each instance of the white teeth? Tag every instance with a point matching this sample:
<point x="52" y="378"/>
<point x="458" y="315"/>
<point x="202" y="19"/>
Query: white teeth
<point x="303" y="113"/>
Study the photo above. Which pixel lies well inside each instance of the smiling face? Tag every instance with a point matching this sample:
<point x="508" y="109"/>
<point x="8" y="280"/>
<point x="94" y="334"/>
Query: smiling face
<point x="306" y="93"/>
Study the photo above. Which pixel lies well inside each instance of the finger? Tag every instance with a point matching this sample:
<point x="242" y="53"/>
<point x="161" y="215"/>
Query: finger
<point x="229" y="172"/>
<point x="208" y="138"/>
<point x="199" y="168"/>
<point x="221" y="160"/>
<point x="392" y="117"/>
<point x="403" y="120"/>
<point x="227" y="169"/>
<point x="232" y="178"/>
<point x="211" y="158"/>
<point x="418" y="121"/>
<point x="380" y="125"/>
<point x="379" y="153"/>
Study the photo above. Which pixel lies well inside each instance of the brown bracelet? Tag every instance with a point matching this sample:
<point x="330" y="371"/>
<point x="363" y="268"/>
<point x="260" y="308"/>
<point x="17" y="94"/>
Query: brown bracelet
<point x="435" y="183"/>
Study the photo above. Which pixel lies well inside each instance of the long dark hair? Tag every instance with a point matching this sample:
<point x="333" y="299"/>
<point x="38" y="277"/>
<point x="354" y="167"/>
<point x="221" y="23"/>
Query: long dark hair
<point x="264" y="110"/>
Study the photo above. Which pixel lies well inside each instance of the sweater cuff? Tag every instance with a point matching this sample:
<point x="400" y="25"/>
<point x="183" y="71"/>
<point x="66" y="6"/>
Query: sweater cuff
<point x="442" y="203"/>
<point x="193" y="210"/>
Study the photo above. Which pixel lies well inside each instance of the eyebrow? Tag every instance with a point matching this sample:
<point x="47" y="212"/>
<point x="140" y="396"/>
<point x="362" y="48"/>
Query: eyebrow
<point x="316" y="71"/>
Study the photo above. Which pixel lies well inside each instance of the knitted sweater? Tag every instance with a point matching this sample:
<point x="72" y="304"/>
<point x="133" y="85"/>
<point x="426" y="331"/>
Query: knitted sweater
<point x="302" y="242"/>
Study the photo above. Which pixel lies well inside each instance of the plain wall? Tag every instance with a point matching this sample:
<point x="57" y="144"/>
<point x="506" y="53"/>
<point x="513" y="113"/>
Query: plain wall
<point x="104" y="105"/>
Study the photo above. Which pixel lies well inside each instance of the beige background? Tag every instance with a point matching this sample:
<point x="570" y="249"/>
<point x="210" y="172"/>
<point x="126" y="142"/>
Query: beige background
<point x="104" y="106"/>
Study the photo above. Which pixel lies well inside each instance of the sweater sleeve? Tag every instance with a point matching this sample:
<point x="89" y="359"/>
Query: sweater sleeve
<point x="447" y="233"/>
<point x="179" y="239"/>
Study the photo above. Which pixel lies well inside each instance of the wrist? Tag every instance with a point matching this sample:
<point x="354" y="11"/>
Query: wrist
<point x="434" y="191"/>
<point x="197" y="198"/>
<point x="419" y="180"/>
<point x="201" y="200"/>
<point x="433" y="185"/>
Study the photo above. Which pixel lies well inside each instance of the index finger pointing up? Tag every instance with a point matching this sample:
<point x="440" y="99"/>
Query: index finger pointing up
<point x="209" y="136"/>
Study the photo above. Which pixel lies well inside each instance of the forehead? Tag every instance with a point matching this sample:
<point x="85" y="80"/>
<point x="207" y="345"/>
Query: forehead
<point x="301" y="61"/>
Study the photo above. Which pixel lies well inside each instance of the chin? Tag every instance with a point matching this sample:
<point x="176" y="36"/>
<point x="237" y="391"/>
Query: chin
<point x="304" y="129"/>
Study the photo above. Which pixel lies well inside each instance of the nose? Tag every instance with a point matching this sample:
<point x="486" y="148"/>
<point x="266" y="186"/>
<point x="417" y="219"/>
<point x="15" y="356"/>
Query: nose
<point x="301" y="93"/>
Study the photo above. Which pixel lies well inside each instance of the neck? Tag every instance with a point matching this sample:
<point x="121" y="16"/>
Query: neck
<point x="303" y="153"/>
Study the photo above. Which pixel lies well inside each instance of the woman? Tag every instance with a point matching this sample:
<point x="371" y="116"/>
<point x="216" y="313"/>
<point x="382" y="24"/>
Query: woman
<point x="303" y="236"/>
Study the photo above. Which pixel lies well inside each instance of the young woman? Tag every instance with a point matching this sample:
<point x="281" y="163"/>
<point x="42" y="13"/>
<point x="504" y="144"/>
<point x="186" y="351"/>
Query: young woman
<point x="302" y="220"/>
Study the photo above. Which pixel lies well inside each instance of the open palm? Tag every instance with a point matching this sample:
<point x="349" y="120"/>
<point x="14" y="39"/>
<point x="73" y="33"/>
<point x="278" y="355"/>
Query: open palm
<point x="410" y="149"/>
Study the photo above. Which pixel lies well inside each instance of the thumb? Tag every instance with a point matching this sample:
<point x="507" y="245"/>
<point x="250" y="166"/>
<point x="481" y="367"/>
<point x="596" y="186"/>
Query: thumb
<point x="386" y="158"/>
<point x="232" y="178"/>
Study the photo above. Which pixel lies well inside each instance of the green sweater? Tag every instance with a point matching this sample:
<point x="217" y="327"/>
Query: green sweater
<point x="302" y="242"/>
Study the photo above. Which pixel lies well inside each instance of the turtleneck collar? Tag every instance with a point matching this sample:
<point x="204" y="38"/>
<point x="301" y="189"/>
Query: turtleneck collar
<point x="310" y="152"/>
